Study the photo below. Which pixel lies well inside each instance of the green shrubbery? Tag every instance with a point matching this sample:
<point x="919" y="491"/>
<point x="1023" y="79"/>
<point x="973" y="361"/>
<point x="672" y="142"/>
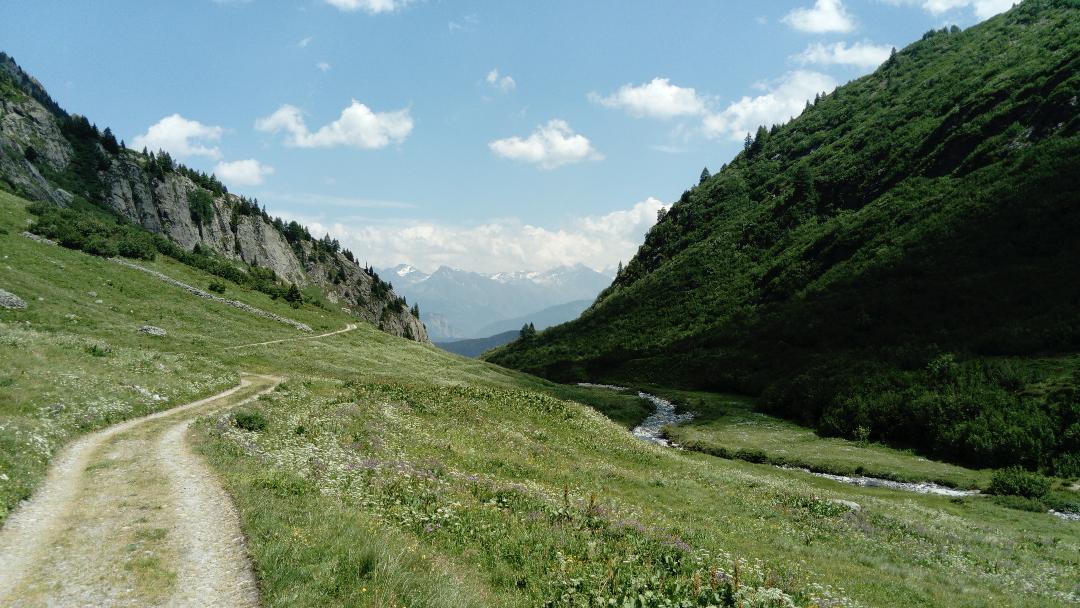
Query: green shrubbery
<point x="1014" y="481"/>
<point x="250" y="420"/>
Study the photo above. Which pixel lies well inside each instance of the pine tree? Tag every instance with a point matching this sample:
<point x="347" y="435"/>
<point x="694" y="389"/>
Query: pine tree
<point x="704" y="175"/>
<point x="758" y="142"/>
<point x="293" y="294"/>
<point x="108" y="141"/>
<point x="749" y="141"/>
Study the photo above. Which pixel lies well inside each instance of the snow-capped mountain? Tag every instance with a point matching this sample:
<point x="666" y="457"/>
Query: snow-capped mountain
<point x="458" y="303"/>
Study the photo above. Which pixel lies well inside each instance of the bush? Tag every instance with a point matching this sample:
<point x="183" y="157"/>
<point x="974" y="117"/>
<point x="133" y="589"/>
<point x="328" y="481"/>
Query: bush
<point x="1014" y="481"/>
<point x="250" y="420"/>
<point x="97" y="350"/>
<point x="216" y="287"/>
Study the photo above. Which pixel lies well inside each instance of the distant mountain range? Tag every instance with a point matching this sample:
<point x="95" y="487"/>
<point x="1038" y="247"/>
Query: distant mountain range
<point x="458" y="304"/>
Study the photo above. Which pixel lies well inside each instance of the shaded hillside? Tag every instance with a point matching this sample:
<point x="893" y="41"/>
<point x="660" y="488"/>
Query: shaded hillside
<point x="879" y="266"/>
<point x="63" y="159"/>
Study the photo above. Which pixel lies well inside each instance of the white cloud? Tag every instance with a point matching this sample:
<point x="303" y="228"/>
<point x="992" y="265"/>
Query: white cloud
<point x="781" y="101"/>
<point x="824" y="16"/>
<point x="983" y="9"/>
<point x="358" y="126"/>
<point x="303" y="43"/>
<point x="180" y="137"/>
<point x="248" y="172"/>
<point x="859" y="54"/>
<point x="598" y="241"/>
<point x="550" y="146"/>
<point x="323" y="66"/>
<point x="656" y="99"/>
<point x="504" y="83"/>
<point x="373" y="7"/>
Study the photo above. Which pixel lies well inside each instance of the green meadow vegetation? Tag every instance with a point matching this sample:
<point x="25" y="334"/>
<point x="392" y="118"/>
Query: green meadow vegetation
<point x="896" y="264"/>
<point x="384" y="472"/>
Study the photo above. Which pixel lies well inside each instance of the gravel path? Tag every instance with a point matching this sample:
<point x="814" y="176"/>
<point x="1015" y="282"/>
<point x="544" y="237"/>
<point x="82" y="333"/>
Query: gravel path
<point x="349" y="327"/>
<point x="129" y="516"/>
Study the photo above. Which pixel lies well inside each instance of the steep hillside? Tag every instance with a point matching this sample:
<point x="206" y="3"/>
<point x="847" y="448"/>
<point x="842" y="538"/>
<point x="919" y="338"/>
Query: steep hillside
<point x="49" y="155"/>
<point x="884" y="266"/>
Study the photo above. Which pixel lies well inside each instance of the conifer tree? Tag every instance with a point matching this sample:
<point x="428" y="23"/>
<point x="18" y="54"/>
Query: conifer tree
<point x="704" y="175"/>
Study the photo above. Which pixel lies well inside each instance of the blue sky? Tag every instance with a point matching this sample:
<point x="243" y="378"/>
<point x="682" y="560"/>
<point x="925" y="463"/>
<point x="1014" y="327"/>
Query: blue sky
<point x="489" y="135"/>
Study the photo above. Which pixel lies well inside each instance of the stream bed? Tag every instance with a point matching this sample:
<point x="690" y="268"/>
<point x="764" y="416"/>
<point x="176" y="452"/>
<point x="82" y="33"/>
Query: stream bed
<point x="651" y="430"/>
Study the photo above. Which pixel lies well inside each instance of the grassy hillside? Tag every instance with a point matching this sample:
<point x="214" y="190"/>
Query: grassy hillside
<point x="894" y="264"/>
<point x="385" y="472"/>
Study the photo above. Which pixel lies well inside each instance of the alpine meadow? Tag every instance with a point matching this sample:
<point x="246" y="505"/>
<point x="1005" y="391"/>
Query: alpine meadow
<point x="842" y="369"/>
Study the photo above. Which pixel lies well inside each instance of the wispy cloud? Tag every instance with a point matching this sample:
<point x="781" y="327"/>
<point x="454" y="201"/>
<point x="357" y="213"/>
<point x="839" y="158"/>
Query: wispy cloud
<point x="467" y="23"/>
<point x="372" y="7"/>
<point x="504" y="82"/>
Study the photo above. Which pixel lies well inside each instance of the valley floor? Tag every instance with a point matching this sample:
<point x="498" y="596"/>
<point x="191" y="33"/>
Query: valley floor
<point x="383" y="472"/>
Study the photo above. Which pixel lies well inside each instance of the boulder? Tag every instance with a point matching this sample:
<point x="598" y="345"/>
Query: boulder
<point x="11" y="301"/>
<point x="153" y="331"/>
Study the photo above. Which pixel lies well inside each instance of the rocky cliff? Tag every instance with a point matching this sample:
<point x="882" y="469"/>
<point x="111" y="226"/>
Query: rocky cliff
<point x="48" y="155"/>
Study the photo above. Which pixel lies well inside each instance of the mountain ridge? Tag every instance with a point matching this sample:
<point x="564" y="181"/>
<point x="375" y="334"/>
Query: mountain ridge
<point x="47" y="154"/>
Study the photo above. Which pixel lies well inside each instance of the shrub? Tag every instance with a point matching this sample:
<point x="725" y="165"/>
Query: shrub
<point x="216" y="287"/>
<point x="97" y="349"/>
<point x="1014" y="481"/>
<point x="250" y="420"/>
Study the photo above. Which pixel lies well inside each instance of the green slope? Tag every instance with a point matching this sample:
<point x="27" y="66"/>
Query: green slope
<point x="899" y="262"/>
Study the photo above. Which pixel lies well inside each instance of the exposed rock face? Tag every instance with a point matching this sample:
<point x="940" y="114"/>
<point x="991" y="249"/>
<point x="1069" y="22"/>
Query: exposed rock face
<point x="29" y="119"/>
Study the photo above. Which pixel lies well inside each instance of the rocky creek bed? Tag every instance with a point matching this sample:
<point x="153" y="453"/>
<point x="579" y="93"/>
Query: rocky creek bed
<point x="651" y="430"/>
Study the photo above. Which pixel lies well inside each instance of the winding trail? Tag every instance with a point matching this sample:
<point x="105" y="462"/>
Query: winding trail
<point x="129" y="516"/>
<point x="349" y="327"/>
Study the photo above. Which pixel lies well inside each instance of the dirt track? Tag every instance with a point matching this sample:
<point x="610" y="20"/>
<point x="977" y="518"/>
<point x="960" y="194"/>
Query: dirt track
<point x="128" y="516"/>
